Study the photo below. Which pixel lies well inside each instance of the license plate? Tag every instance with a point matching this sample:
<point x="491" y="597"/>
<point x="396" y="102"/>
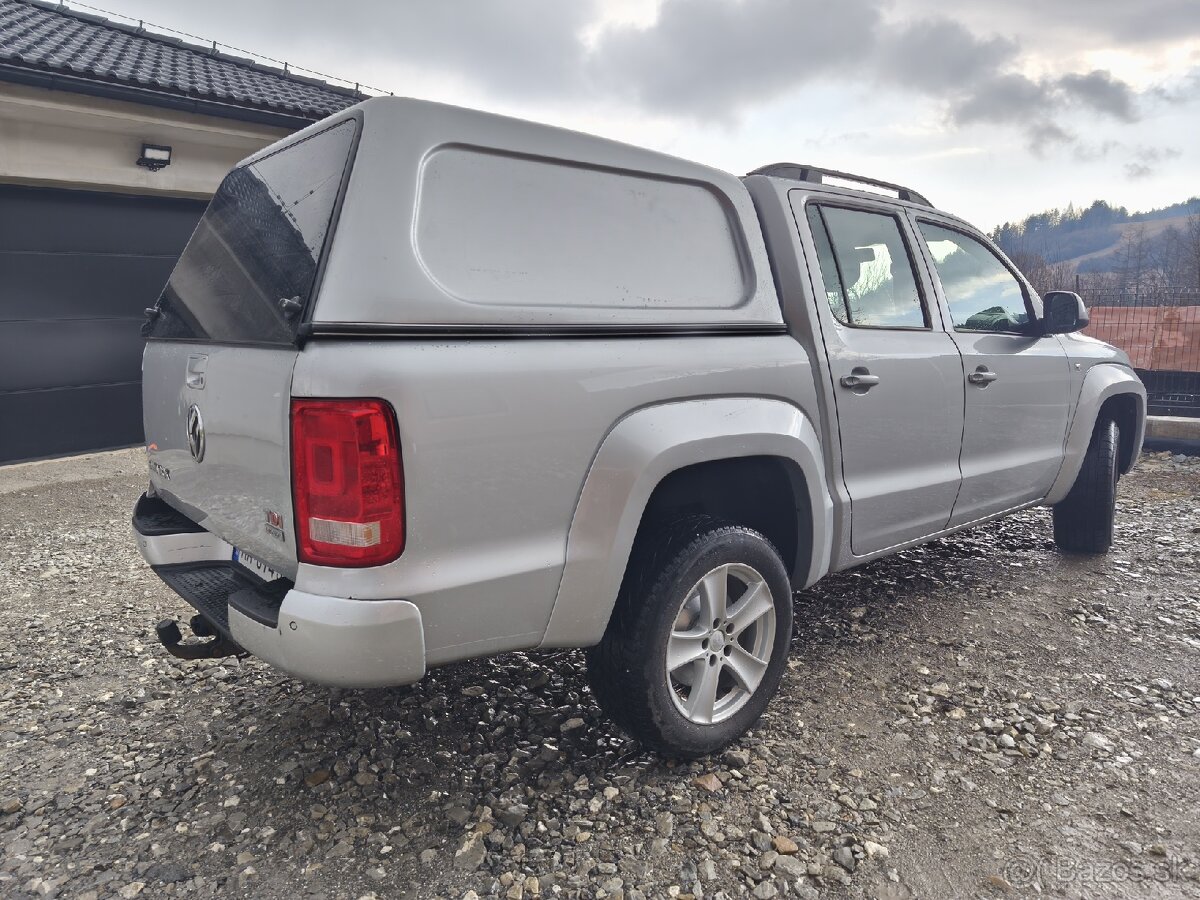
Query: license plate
<point x="257" y="566"/>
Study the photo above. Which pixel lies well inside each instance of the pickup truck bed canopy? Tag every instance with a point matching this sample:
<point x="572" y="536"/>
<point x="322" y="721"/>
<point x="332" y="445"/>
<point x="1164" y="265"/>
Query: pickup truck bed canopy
<point x="454" y="218"/>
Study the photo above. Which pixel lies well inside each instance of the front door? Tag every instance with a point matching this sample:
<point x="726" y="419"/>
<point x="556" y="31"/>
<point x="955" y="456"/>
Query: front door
<point x="1017" y="382"/>
<point x="897" y="376"/>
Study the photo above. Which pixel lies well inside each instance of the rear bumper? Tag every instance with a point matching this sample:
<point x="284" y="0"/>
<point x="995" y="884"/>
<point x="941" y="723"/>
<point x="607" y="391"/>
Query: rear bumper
<point x="328" y="640"/>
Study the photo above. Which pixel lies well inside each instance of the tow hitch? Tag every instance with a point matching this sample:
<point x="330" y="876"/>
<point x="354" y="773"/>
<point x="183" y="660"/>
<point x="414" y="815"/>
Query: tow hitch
<point x="171" y="638"/>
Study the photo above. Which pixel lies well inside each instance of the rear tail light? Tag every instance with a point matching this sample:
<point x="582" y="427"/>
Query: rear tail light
<point x="347" y="482"/>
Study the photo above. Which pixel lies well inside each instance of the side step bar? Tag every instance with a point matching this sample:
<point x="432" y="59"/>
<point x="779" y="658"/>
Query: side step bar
<point x="199" y="567"/>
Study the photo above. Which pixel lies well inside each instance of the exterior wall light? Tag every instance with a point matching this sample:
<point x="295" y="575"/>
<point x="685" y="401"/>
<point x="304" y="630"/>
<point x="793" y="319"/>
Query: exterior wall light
<point x="154" y="157"/>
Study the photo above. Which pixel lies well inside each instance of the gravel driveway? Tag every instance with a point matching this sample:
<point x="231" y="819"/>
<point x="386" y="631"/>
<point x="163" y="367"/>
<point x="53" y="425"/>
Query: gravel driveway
<point x="979" y="717"/>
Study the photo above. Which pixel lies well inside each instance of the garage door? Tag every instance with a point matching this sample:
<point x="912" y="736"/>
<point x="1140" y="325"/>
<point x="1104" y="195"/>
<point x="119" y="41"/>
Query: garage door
<point x="76" y="270"/>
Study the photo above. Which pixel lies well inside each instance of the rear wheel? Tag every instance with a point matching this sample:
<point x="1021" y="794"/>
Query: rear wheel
<point x="1083" y="520"/>
<point x="699" y="638"/>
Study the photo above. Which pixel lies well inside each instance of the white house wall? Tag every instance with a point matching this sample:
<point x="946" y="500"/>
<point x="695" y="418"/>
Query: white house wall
<point x="69" y="140"/>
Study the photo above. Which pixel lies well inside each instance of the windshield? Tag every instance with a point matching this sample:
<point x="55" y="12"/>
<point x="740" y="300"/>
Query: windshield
<point x="247" y="272"/>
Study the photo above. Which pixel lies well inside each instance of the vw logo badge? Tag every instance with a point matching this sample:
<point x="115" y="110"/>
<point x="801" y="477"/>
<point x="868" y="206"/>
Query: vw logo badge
<point x="195" y="433"/>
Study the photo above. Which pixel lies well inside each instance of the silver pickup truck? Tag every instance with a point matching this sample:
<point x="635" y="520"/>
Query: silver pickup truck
<point x="429" y="384"/>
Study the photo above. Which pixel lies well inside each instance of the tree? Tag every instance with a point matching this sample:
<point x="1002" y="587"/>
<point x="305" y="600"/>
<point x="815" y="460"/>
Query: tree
<point x="1044" y="276"/>
<point x="1134" y="264"/>
<point x="1190" y="253"/>
<point x="1168" y="255"/>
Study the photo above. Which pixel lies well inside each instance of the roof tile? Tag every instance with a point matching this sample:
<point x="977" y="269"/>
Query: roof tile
<point x="38" y="36"/>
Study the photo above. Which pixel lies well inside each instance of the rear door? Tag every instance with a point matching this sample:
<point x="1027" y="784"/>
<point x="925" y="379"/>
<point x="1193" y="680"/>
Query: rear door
<point x="217" y="369"/>
<point x="897" y="375"/>
<point x="1018" y="384"/>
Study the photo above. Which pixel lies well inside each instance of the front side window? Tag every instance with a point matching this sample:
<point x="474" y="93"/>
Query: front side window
<point x="982" y="293"/>
<point x="869" y="280"/>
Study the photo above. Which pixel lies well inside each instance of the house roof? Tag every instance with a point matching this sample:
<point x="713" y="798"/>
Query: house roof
<point x="52" y="46"/>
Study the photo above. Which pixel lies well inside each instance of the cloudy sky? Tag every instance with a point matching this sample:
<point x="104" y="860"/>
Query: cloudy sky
<point x="992" y="108"/>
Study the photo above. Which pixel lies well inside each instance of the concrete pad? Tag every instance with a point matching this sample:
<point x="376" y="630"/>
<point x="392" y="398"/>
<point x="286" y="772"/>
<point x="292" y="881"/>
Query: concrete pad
<point x="1172" y="428"/>
<point x="16" y="477"/>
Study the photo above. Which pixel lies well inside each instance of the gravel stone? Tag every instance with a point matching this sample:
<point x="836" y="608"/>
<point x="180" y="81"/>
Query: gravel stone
<point x="885" y="761"/>
<point x="471" y="854"/>
<point x="1097" y="741"/>
<point x="737" y="759"/>
<point x="784" y="845"/>
<point x="168" y="873"/>
<point x="664" y="824"/>
<point x="791" y="867"/>
<point x="844" y="857"/>
<point x="514" y="815"/>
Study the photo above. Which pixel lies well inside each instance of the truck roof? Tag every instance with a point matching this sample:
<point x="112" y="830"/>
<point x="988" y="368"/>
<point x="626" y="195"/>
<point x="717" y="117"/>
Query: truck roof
<point x="819" y="175"/>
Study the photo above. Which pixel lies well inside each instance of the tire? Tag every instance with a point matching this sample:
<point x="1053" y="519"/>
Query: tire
<point x="1083" y="520"/>
<point x="716" y="595"/>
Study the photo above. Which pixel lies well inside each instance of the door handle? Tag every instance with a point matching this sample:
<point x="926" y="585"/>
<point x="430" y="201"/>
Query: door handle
<point x="196" y="366"/>
<point x="860" y="380"/>
<point x="982" y="375"/>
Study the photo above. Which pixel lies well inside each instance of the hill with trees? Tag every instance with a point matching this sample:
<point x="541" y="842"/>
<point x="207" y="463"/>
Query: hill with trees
<point x="1157" y="249"/>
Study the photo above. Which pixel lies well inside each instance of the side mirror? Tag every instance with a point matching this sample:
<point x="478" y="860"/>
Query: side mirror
<point x="1063" y="313"/>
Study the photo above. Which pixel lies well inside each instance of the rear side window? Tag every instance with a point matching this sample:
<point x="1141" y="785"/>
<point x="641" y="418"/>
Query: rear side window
<point x="868" y="275"/>
<point x="982" y="293"/>
<point x="249" y="268"/>
<point x="835" y="295"/>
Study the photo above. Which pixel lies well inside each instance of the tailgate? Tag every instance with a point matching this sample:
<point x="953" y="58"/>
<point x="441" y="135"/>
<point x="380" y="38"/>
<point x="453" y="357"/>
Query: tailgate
<point x="217" y="425"/>
<point x="217" y="370"/>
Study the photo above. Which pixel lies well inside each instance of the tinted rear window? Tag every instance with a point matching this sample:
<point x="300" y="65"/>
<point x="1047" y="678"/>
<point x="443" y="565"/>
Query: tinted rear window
<point x="258" y="245"/>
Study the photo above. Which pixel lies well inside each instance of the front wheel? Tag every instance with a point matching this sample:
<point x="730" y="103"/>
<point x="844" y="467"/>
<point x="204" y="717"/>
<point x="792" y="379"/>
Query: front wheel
<point x="1083" y="520"/>
<point x="699" y="638"/>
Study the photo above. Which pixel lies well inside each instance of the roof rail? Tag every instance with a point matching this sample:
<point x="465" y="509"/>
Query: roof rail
<point x="816" y="175"/>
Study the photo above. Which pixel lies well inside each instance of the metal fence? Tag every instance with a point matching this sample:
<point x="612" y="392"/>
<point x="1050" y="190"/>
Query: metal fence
<point x="1160" y="330"/>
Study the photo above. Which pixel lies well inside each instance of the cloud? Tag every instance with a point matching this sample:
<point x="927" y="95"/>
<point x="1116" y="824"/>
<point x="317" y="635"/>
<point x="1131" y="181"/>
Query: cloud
<point x="1006" y="98"/>
<point x="1040" y="107"/>
<point x="1102" y="93"/>
<point x="1051" y="25"/>
<point x="520" y="47"/>
<point x="1142" y="161"/>
<point x="938" y="55"/>
<point x="1044" y="136"/>
<point x="1084" y="152"/>
<point x="1181" y="90"/>
<point x="1003" y="98"/>
<point x="512" y="48"/>
<point x="711" y="59"/>
<point x="1147" y="160"/>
